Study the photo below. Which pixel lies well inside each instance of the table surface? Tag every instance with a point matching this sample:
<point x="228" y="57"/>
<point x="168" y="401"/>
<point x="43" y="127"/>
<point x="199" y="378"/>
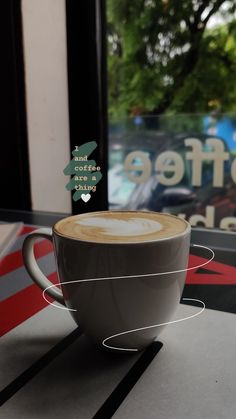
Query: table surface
<point x="48" y="369"/>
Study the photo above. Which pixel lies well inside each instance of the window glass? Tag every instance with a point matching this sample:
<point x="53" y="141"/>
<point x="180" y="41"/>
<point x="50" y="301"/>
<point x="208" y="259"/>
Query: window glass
<point x="172" y="108"/>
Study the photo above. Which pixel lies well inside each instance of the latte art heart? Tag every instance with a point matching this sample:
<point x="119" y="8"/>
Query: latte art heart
<point x="132" y="227"/>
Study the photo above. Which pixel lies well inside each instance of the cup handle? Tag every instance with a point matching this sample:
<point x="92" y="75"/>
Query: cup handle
<point x="32" y="267"/>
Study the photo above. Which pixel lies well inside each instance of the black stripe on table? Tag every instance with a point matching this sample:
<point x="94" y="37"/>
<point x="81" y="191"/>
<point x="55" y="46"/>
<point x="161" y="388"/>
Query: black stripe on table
<point x="118" y="395"/>
<point x="34" y="369"/>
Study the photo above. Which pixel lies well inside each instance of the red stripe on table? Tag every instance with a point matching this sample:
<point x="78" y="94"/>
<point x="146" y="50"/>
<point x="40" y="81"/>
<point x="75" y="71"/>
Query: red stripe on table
<point x="14" y="260"/>
<point x="210" y="279"/>
<point x="22" y="305"/>
<point x="224" y="274"/>
<point x="26" y="229"/>
<point x="211" y="266"/>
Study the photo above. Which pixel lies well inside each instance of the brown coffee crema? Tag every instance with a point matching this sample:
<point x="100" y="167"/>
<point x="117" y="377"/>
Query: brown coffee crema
<point x="121" y="226"/>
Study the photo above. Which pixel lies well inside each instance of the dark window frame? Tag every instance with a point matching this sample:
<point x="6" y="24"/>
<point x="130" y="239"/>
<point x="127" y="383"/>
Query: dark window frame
<point x="87" y="88"/>
<point x="14" y="158"/>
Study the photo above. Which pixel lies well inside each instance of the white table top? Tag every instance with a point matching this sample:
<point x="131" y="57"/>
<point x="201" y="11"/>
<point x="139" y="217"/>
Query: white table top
<point x="193" y="376"/>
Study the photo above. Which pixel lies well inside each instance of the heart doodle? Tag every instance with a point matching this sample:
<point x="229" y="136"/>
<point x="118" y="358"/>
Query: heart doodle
<point x="86" y="197"/>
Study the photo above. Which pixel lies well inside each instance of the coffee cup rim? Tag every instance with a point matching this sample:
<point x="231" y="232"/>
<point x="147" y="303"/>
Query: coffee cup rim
<point x="143" y="242"/>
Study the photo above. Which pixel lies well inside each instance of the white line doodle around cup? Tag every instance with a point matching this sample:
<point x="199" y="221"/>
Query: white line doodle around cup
<point x="133" y="276"/>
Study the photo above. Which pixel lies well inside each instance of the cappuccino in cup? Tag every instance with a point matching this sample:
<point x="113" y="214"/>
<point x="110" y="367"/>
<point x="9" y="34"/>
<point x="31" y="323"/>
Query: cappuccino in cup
<point x="121" y="226"/>
<point x="120" y="273"/>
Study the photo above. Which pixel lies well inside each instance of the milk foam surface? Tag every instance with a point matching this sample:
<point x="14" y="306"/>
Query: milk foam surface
<point x="121" y="226"/>
<point x="132" y="227"/>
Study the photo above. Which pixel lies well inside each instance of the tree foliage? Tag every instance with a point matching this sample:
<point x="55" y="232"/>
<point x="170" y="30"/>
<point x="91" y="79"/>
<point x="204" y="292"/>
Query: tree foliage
<point x="163" y="58"/>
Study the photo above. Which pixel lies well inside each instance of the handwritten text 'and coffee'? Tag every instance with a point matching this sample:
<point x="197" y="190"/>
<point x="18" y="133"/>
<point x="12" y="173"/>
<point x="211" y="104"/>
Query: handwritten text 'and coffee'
<point x="86" y="172"/>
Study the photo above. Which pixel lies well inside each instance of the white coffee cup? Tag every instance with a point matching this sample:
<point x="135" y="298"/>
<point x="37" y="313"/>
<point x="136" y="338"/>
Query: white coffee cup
<point x="122" y="272"/>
